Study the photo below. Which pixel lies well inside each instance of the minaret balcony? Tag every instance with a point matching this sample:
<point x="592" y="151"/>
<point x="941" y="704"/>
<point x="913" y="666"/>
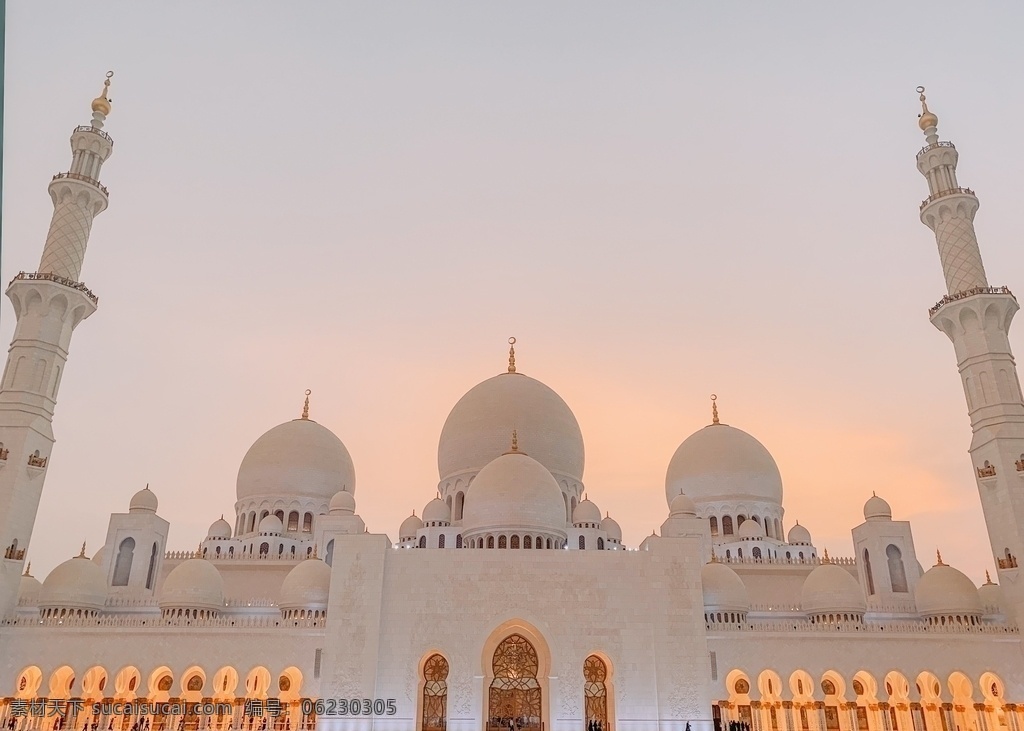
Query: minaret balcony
<point x="943" y="193"/>
<point x="965" y="293"/>
<point x="104" y="135"/>
<point x="83" y="178"/>
<point x="51" y="277"/>
<point x="926" y="148"/>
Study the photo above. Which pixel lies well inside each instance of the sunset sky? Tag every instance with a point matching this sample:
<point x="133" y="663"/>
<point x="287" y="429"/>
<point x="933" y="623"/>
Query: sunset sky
<point x="660" y="201"/>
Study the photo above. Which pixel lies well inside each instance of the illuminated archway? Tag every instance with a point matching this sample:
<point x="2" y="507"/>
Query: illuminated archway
<point x="434" y="695"/>
<point x="595" y="691"/>
<point x="515" y="691"/>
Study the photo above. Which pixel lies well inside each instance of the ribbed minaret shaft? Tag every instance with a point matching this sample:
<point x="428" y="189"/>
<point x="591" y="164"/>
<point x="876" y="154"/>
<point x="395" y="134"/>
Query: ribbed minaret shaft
<point x="976" y="318"/>
<point x="48" y="304"/>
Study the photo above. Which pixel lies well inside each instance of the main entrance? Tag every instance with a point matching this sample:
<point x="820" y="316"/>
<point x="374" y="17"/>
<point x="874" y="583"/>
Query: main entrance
<point x="515" y="694"/>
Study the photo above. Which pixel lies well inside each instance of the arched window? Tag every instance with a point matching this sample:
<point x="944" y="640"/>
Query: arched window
<point x="423" y="541"/>
<point x="458" y="541"/>
<point x="252" y="522"/>
<point x="528" y="542"/>
<point x="460" y="499"/>
<point x="583" y="543"/>
<point x="897" y="572"/>
<point x="727" y="525"/>
<point x="595" y="692"/>
<point x="264" y="548"/>
<point x="514" y="692"/>
<point x="714" y="525"/>
<point x="440" y="541"/>
<point x="151" y="571"/>
<point x="867" y="573"/>
<point x="502" y="542"/>
<point x="307" y="523"/>
<point x="280" y="515"/>
<point x="514" y="543"/>
<point x="739" y="553"/>
<point x="490" y="541"/>
<point x="123" y="563"/>
<point x="600" y="544"/>
<point x="435" y="694"/>
<point x="756" y="552"/>
<point x="329" y="553"/>
<point x="293" y="521"/>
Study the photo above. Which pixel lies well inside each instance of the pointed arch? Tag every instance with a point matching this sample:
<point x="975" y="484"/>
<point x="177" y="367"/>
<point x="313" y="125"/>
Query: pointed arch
<point x="434" y="693"/>
<point x="516" y="654"/>
<point x="123" y="562"/>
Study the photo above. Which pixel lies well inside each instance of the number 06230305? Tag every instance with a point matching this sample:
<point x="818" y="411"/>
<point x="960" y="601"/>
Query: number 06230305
<point x="349" y="707"/>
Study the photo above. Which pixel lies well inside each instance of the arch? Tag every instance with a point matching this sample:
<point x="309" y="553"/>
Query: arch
<point x="500" y="654"/>
<point x="160" y="682"/>
<point x="713" y="520"/>
<point x="423" y="542"/>
<point x="756" y="552"/>
<point x="192" y="682"/>
<point x="769" y="685"/>
<point x="61" y="681"/>
<point x="897" y="687"/>
<point x="595" y="691"/>
<point x="307" y="523"/>
<point x="280" y="515"/>
<point x="434" y="693"/>
<point x="582" y="543"/>
<point x="289" y="684"/>
<point x="29" y="680"/>
<point x="225" y="682"/>
<point x="329" y="553"/>
<point x="867" y="573"/>
<point x="801" y="685"/>
<point x="94" y="683"/>
<point x="897" y="571"/>
<point x="727" y="525"/>
<point x="123" y="562"/>
<point x="440" y="541"/>
<point x="460" y="501"/>
<point x="293" y="521"/>
<point x="257" y="682"/>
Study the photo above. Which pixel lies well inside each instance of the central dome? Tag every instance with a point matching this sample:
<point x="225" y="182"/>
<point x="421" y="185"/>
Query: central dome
<point x="298" y="458"/>
<point x="477" y="429"/>
<point x="514" y="491"/>
<point x="720" y="462"/>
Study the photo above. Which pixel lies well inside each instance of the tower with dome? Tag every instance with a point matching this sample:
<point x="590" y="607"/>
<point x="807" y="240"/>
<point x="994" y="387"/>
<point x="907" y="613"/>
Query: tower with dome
<point x="509" y="599"/>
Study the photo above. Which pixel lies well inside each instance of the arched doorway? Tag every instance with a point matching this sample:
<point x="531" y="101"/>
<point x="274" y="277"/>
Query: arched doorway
<point x="515" y="692"/>
<point x="435" y="693"/>
<point x="595" y="691"/>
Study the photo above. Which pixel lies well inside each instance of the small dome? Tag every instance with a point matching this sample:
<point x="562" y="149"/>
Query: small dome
<point x="586" y="512"/>
<point x="611" y="527"/>
<point x="720" y="462"/>
<point x="343" y="503"/>
<point x="877" y="509"/>
<point x="990" y="594"/>
<point x="77" y="583"/>
<point x="514" y="491"/>
<point x="144" y="501"/>
<point x="723" y="589"/>
<point x="306" y="586"/>
<point x="831" y="588"/>
<point x="682" y="505"/>
<point x="299" y="458"/>
<point x="436" y="511"/>
<point x="750" y="528"/>
<point x="409" y="527"/>
<point x="193" y="584"/>
<point x="100" y="556"/>
<point x="272" y="525"/>
<point x="477" y="429"/>
<point x="945" y="591"/>
<point x="799" y="536"/>
<point x="28" y="589"/>
<point x="220" y="528"/>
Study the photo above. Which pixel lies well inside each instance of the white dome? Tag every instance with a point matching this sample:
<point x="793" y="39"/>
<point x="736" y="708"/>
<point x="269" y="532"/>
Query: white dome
<point x="306" y="586"/>
<point x="77" y="583"/>
<point x="220" y="528"/>
<point x="723" y="589"/>
<point x="831" y="588"/>
<point x="990" y="594"/>
<point x="945" y="591"/>
<point x="100" y="556"/>
<point x="799" y="536"/>
<point x="271" y="524"/>
<point x="611" y="527"/>
<point x="586" y="512"/>
<point x="436" y="511"/>
<point x="682" y="505"/>
<point x="877" y="509"/>
<point x="343" y="502"/>
<point x="514" y="491"/>
<point x="193" y="584"/>
<point x="409" y="527"/>
<point x="720" y="462"/>
<point x="29" y="589"/>
<point x="750" y="528"/>
<point x="477" y="429"/>
<point x="144" y="501"/>
<point x="299" y="458"/>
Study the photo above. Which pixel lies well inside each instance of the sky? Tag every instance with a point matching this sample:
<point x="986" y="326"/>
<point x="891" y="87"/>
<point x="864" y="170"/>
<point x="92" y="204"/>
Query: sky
<point x="660" y="201"/>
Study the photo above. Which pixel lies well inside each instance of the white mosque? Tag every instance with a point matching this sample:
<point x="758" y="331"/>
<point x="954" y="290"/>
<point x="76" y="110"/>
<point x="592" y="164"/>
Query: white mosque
<point x="510" y="600"/>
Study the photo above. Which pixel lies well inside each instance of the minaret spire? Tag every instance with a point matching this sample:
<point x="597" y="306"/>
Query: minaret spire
<point x="49" y="304"/>
<point x="511" y="355"/>
<point x="976" y="318"/>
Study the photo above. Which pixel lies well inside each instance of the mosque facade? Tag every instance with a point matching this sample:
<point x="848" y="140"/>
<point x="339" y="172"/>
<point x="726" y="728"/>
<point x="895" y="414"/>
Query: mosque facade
<point x="510" y="600"/>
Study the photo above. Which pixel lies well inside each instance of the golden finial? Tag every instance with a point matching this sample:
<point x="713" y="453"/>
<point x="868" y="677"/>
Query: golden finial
<point x="314" y="551"/>
<point x="515" y="441"/>
<point x="81" y="554"/>
<point x="101" y="103"/>
<point x="28" y="570"/>
<point x="714" y="557"/>
<point x="511" y="355"/>
<point x="714" y="409"/>
<point x="305" y="406"/>
<point x="926" y="118"/>
<point x="988" y="579"/>
<point x="938" y="558"/>
<point x="826" y="559"/>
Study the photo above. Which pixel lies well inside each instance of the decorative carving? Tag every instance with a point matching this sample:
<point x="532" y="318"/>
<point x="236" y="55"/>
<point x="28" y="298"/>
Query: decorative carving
<point x="514" y="692"/>
<point x="34" y="460"/>
<point x="987" y="470"/>
<point x="964" y="293"/>
<point x="435" y="694"/>
<point x="50" y="277"/>
<point x="742" y="686"/>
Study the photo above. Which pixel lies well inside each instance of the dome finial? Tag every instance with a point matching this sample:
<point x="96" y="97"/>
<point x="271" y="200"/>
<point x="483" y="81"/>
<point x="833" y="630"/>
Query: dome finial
<point x="927" y="120"/>
<point x="515" y="441"/>
<point x="28" y="570"/>
<point x="938" y="558"/>
<point x="714" y="556"/>
<point x="826" y="559"/>
<point x="314" y="551"/>
<point x="988" y="579"/>
<point x="101" y="104"/>
<point x="305" y="406"/>
<point x="511" y="355"/>
<point x="81" y="554"/>
<point x="714" y="409"/>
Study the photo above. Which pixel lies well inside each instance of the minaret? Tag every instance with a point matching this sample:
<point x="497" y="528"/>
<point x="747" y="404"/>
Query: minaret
<point x="976" y="317"/>
<point x="48" y="304"/>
